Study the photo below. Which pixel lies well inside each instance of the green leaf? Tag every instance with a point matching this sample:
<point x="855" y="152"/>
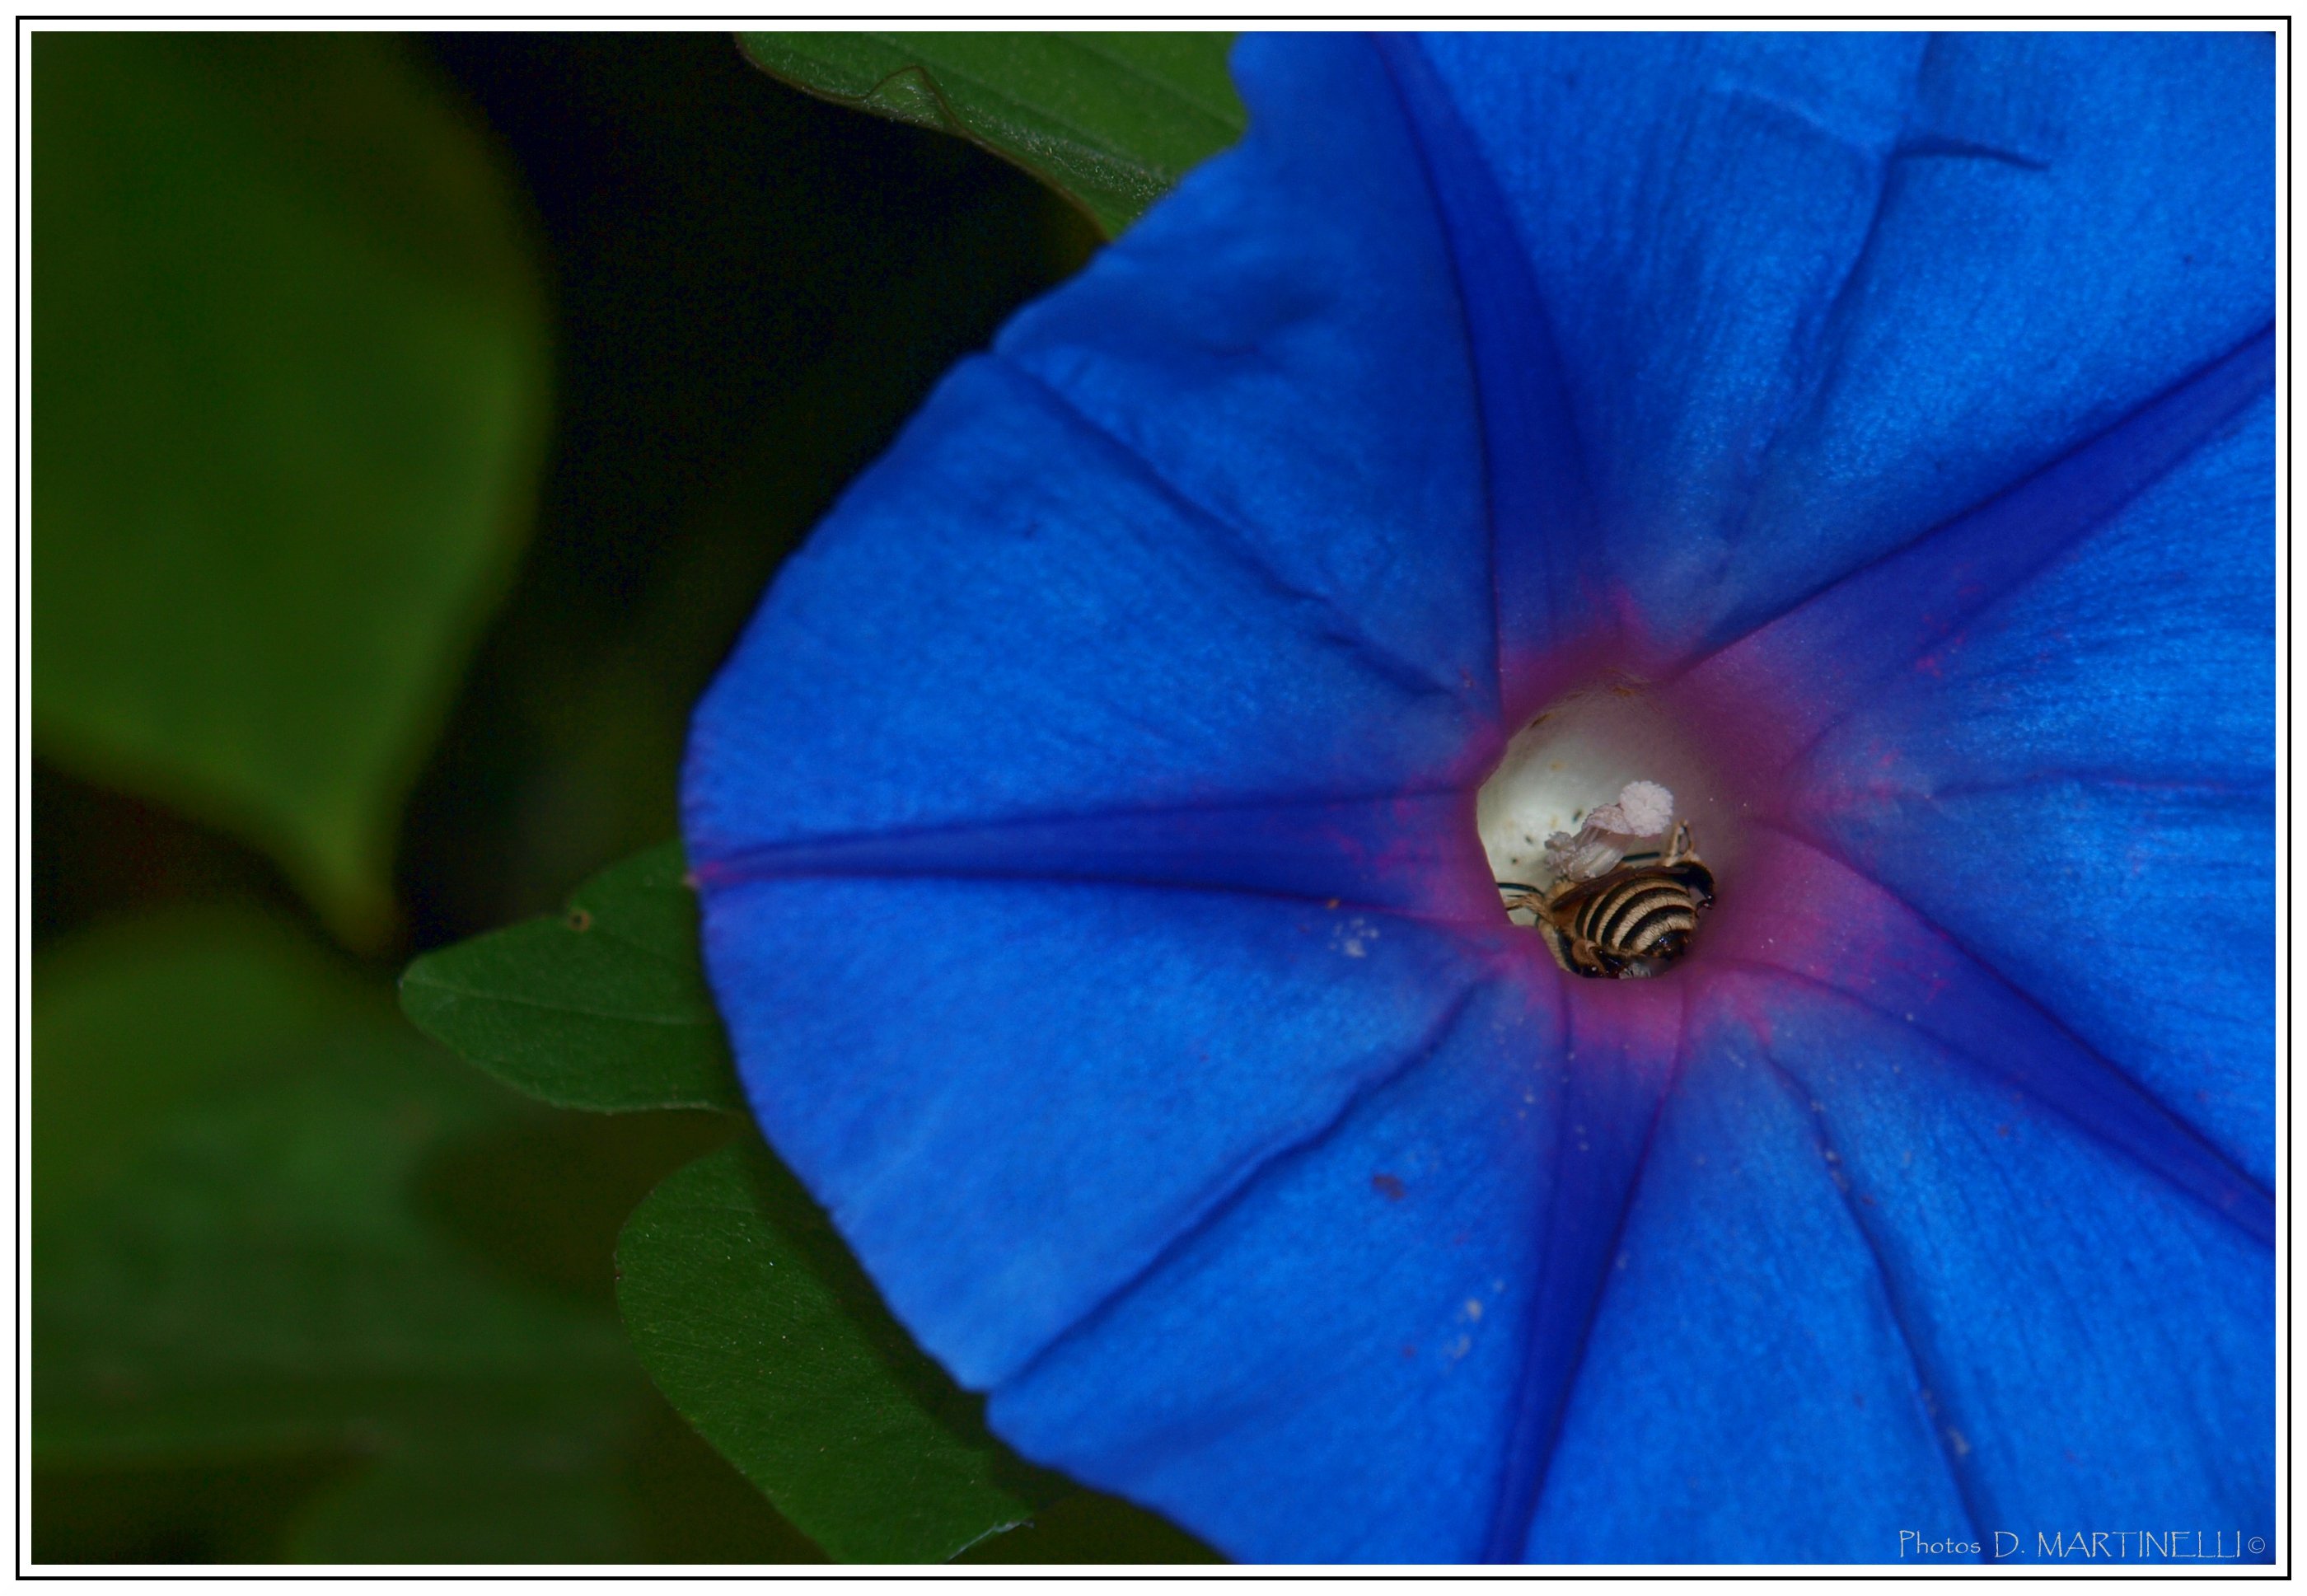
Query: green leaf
<point x="1110" y="120"/>
<point x="249" y="1269"/>
<point x="605" y="1008"/>
<point x="760" y="1328"/>
<point x="291" y="358"/>
<point x="1088" y="1527"/>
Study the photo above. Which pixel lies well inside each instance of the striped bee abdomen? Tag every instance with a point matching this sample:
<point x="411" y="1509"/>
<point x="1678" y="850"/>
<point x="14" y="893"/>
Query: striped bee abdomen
<point x="1634" y="921"/>
<point x="1644" y="916"/>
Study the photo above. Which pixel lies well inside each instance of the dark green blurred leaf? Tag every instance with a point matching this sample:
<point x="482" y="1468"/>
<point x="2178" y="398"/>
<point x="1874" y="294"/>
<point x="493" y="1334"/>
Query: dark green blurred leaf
<point x="212" y="1511"/>
<point x="757" y="287"/>
<point x="605" y="1008"/>
<point x="290" y="358"/>
<point x="247" y="1271"/>
<point x="540" y="1507"/>
<point x="544" y="1195"/>
<point x="139" y="1020"/>
<point x="662" y="1497"/>
<point x="755" y="1321"/>
<point x="1110" y="120"/>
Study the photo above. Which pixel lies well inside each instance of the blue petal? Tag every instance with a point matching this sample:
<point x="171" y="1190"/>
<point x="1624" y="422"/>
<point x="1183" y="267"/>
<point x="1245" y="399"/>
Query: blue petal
<point x="1327" y="1370"/>
<point x="2096" y="1347"/>
<point x="1815" y="666"/>
<point x="1297" y="366"/>
<point x="1815" y="293"/>
<point x="1408" y="853"/>
<point x="2079" y="786"/>
<point x="1009" y="617"/>
<point x="1208" y="527"/>
<point x="1889" y="1271"/>
<point x="1745" y="1392"/>
<point x="1025" y="1091"/>
<point x="1811" y="917"/>
<point x="1541" y="509"/>
<point x="1363" y="1357"/>
<point x="2047" y="727"/>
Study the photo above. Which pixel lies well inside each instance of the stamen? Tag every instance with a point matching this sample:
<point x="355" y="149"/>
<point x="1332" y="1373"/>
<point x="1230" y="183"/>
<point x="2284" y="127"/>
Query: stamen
<point x="1643" y="809"/>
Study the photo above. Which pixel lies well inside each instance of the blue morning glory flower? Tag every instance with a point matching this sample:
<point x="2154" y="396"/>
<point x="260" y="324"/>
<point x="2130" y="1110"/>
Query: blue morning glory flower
<point x="1867" y="439"/>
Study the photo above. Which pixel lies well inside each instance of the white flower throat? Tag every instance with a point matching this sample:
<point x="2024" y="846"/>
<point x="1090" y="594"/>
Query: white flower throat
<point x="1589" y="848"/>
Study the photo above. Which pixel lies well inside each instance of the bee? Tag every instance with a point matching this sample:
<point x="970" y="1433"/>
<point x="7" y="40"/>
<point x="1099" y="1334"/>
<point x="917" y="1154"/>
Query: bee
<point x="1632" y="920"/>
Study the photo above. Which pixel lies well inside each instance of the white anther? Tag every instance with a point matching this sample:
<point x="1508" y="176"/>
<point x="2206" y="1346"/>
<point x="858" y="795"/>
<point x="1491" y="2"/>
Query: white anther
<point x="1645" y="809"/>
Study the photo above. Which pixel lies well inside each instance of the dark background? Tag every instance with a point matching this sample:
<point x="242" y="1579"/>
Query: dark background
<point x="751" y="291"/>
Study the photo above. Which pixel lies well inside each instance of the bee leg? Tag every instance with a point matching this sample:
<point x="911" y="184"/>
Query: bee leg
<point x="1558" y="945"/>
<point x="1577" y="956"/>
